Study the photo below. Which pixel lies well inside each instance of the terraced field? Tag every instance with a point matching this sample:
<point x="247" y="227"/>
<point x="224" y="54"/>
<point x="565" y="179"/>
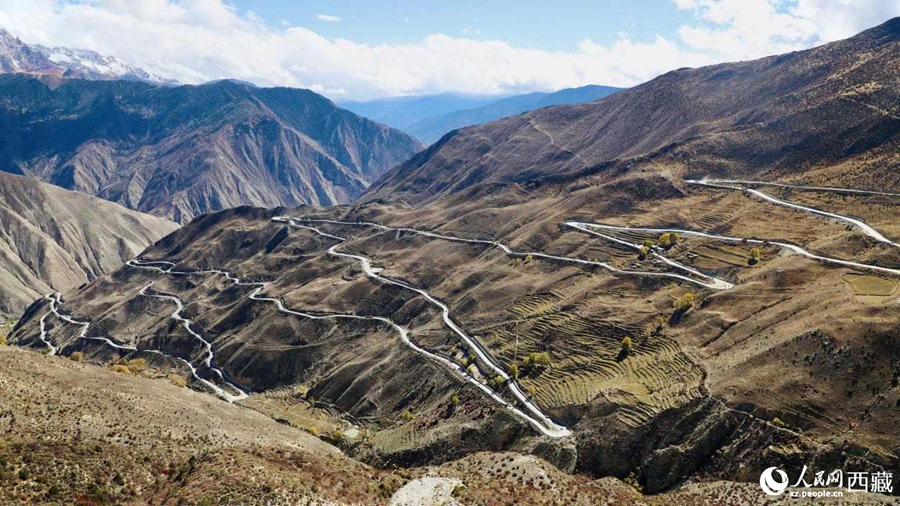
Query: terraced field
<point x="585" y="347"/>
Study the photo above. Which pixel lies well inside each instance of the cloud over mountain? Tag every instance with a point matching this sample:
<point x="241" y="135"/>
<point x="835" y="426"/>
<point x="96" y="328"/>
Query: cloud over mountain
<point x="201" y="40"/>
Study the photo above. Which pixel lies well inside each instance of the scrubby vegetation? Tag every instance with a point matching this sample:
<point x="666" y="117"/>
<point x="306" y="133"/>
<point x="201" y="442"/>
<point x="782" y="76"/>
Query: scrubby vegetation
<point x="497" y="382"/>
<point x="668" y="239"/>
<point x="178" y="380"/>
<point x="540" y="359"/>
<point x="5" y="328"/>
<point x="684" y="303"/>
<point x="755" y="256"/>
<point x="120" y="369"/>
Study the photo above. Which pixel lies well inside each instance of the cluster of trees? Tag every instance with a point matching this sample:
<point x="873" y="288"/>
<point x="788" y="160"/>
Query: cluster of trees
<point x="539" y="359"/>
<point x="646" y="248"/>
<point x="668" y="239"/>
<point x="516" y="261"/>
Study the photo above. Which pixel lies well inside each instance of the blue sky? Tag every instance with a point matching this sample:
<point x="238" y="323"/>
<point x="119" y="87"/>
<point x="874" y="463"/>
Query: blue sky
<point x="368" y="49"/>
<point x="556" y="26"/>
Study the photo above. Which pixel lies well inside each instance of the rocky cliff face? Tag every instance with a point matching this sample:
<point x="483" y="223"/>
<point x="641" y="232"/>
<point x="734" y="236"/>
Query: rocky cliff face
<point x="54" y="240"/>
<point x="179" y="152"/>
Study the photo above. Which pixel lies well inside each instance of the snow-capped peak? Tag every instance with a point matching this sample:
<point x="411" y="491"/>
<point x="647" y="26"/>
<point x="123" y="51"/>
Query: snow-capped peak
<point x="17" y="56"/>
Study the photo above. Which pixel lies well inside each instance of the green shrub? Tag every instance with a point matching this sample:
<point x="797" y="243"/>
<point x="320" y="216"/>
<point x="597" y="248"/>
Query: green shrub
<point x="633" y="482"/>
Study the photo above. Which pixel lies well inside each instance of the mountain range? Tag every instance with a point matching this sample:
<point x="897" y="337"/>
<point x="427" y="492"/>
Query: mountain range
<point x="178" y="152"/>
<point x="653" y="297"/>
<point x="19" y="57"/>
<point x="429" y="117"/>
<point x="402" y="112"/>
<point x="771" y="116"/>
<point x="432" y="128"/>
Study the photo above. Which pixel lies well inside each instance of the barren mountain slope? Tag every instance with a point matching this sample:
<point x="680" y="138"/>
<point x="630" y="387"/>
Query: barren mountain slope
<point x="123" y="438"/>
<point x="179" y="152"/>
<point x="55" y="239"/>
<point x="780" y="116"/>
<point x="495" y="308"/>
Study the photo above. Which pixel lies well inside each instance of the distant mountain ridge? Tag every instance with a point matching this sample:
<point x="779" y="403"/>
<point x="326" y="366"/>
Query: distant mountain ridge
<point x="403" y="112"/>
<point x="17" y="56"/>
<point x="431" y="129"/>
<point x="768" y="116"/>
<point x="181" y="151"/>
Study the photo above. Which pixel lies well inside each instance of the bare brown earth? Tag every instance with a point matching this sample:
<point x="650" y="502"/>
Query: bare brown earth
<point x="54" y="240"/>
<point x="795" y="365"/>
<point x="792" y="340"/>
<point x="76" y="433"/>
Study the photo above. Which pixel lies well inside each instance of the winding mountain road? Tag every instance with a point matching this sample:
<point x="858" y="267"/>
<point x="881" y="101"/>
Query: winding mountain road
<point x="537" y="418"/>
<point x="56" y="301"/>
<point x="789" y="246"/>
<point x="713" y="283"/>
<point x="861" y="225"/>
<point x="209" y="360"/>
<point x="531" y="414"/>
<point x="539" y="424"/>
<point x="833" y="189"/>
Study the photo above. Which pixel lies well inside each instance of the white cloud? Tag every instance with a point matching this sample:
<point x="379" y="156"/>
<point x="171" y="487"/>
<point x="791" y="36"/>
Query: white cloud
<point x="329" y="18"/>
<point x="747" y="29"/>
<point x="199" y="40"/>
